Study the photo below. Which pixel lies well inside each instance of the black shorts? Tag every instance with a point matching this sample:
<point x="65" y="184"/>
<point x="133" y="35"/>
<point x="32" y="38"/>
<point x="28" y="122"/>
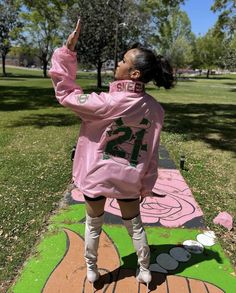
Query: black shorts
<point x="102" y="197"/>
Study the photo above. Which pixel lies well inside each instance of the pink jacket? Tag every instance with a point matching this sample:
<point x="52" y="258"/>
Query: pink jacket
<point x="117" y="150"/>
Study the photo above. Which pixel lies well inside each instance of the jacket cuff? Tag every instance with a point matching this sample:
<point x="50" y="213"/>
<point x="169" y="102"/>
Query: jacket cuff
<point x="68" y="51"/>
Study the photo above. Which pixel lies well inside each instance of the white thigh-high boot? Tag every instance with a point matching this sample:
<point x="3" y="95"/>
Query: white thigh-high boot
<point x="138" y="234"/>
<point x="93" y="227"/>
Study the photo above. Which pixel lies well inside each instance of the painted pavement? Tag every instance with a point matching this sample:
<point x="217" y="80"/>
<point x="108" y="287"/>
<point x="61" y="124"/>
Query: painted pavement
<point x="185" y="256"/>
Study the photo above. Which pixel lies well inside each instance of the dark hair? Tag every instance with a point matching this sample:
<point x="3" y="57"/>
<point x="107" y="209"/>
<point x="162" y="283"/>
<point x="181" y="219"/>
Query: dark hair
<point x="153" y="68"/>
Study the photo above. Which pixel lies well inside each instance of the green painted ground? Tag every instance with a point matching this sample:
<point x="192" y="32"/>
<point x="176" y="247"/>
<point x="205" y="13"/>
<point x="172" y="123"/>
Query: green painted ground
<point x="211" y="266"/>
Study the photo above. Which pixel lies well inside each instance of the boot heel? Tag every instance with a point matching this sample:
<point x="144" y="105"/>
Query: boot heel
<point x="92" y="278"/>
<point x="93" y="288"/>
<point x="147" y="291"/>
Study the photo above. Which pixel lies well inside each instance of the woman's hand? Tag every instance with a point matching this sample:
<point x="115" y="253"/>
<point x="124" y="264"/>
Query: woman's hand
<point x="73" y="37"/>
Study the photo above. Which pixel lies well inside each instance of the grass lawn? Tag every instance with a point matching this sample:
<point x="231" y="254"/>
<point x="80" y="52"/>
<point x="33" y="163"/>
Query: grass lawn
<point x="37" y="135"/>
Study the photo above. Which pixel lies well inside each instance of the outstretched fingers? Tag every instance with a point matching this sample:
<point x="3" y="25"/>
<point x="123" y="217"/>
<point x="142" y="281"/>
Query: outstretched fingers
<point x="77" y="28"/>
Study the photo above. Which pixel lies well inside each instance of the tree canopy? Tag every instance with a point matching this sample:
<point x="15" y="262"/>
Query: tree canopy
<point x="226" y="25"/>
<point x="43" y="26"/>
<point x="227" y="17"/>
<point x="96" y="42"/>
<point x="209" y="50"/>
<point x="177" y="38"/>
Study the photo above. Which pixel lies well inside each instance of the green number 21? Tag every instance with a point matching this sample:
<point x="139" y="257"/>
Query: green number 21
<point x="113" y="147"/>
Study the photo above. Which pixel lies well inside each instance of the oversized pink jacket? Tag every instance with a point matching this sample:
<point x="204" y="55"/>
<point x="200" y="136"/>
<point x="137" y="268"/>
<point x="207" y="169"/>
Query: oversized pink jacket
<point x="117" y="150"/>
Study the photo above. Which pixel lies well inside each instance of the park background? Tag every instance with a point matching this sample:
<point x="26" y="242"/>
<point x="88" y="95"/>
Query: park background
<point x="37" y="134"/>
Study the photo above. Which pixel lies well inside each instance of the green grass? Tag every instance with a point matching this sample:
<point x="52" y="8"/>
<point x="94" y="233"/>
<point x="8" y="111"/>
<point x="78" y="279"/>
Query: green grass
<point x="37" y="135"/>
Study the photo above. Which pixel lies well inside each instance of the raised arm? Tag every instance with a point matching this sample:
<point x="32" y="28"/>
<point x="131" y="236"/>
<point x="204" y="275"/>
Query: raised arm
<point x="73" y="37"/>
<point x="68" y="93"/>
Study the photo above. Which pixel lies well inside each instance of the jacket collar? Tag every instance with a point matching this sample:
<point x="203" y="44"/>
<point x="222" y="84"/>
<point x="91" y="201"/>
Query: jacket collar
<point x="127" y="86"/>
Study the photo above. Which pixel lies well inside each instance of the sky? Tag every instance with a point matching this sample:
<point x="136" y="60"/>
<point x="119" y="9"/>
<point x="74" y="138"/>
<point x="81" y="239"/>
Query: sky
<point x="202" y="18"/>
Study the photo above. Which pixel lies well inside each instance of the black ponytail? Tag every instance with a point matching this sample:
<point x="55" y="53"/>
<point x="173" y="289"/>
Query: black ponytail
<point x="153" y="68"/>
<point x="164" y="73"/>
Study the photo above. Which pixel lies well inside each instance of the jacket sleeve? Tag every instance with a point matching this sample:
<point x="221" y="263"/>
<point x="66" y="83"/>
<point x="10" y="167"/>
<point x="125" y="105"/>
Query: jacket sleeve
<point x="68" y="93"/>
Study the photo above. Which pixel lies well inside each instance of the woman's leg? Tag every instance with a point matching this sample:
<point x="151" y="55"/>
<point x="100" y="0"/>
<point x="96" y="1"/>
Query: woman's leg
<point x="93" y="227"/>
<point x="130" y="212"/>
<point x="130" y="208"/>
<point x="95" y="206"/>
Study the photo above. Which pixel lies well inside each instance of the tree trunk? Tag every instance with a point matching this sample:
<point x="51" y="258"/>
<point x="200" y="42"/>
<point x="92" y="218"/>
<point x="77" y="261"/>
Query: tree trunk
<point x="208" y="73"/>
<point x="99" y="75"/>
<point x="176" y="73"/>
<point x="3" y="65"/>
<point x="45" y="64"/>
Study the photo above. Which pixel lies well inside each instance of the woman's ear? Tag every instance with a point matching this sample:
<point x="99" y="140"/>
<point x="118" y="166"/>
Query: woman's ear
<point x="135" y="74"/>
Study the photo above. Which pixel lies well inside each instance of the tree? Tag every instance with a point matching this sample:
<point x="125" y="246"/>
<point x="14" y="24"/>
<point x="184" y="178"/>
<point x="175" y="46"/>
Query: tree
<point x="9" y="27"/>
<point x="208" y="50"/>
<point x="96" y="42"/>
<point x="108" y="27"/>
<point x="228" y="58"/>
<point x="176" y="39"/>
<point x="227" y="18"/>
<point x="158" y="12"/>
<point x="170" y="30"/>
<point x="179" y="53"/>
<point x="228" y="6"/>
<point x="43" y="27"/>
<point x="226" y="25"/>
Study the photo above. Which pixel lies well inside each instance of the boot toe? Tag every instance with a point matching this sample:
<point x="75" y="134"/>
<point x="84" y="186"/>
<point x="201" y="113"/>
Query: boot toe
<point x="144" y="277"/>
<point x="93" y="276"/>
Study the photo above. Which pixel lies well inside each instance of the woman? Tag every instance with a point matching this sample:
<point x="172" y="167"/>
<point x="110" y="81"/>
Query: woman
<point x="117" y="150"/>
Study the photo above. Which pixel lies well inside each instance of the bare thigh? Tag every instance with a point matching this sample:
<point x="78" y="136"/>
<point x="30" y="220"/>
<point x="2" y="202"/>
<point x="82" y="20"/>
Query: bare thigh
<point x="129" y="209"/>
<point x="95" y="208"/>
